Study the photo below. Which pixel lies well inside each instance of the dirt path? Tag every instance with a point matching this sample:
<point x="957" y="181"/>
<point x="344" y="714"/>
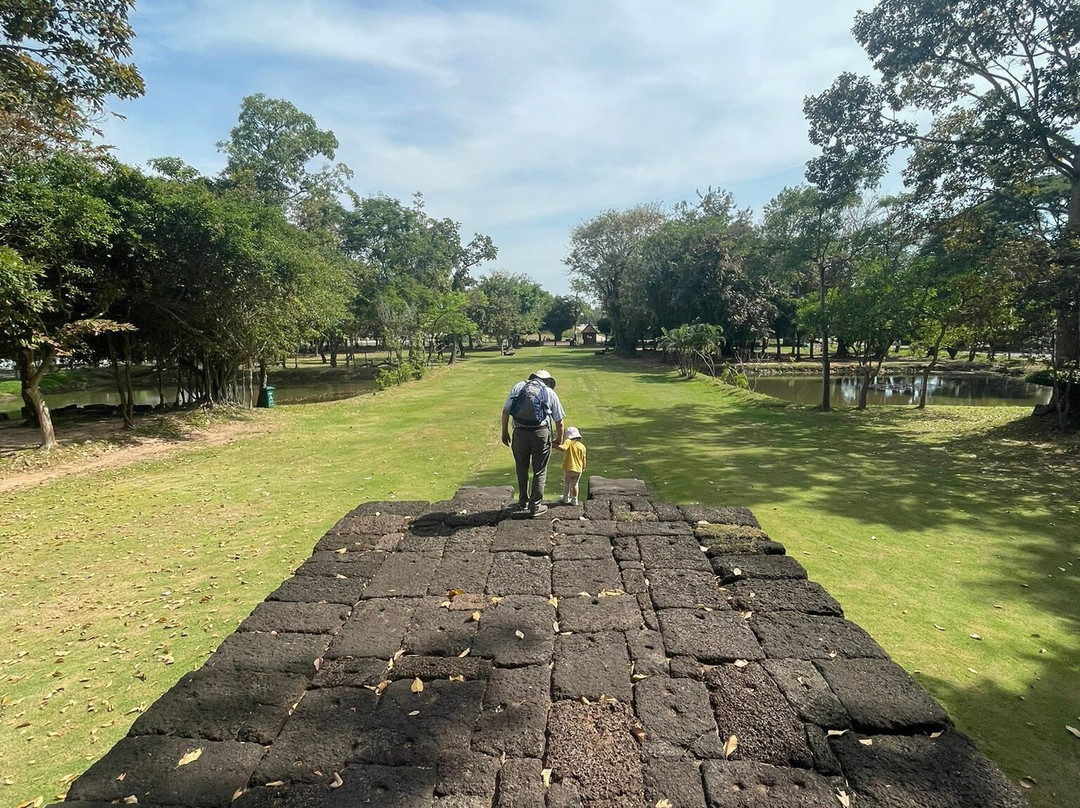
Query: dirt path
<point x="92" y="446"/>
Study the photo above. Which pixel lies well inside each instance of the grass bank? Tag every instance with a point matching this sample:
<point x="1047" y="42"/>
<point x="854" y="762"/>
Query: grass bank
<point x="928" y="527"/>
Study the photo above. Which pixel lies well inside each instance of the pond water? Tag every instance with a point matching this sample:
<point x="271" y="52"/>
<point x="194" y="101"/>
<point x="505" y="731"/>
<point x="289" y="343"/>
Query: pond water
<point x="285" y="395"/>
<point x="977" y="390"/>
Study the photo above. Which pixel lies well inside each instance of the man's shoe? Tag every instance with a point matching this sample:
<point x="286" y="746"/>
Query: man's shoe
<point x="564" y="500"/>
<point x="536" y="510"/>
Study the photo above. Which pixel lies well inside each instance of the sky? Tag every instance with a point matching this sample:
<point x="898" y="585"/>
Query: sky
<point x="519" y="120"/>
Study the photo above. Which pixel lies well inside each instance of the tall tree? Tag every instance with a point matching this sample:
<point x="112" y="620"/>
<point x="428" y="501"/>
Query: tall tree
<point x="563" y="315"/>
<point x="59" y="62"/>
<point x="270" y="149"/>
<point x="985" y="94"/>
<point x="606" y="260"/>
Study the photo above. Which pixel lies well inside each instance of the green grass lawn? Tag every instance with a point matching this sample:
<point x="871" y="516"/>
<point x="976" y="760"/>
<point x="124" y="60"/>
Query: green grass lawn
<point x="929" y="527"/>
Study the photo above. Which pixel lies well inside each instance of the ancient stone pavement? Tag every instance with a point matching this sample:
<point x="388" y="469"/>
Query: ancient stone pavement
<point x="626" y="652"/>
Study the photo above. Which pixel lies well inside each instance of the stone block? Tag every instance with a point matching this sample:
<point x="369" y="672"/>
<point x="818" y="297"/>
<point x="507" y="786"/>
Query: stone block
<point x="359" y="542"/>
<point x="350" y="672"/>
<point x="807" y="692"/>
<point x="296" y="618"/>
<point x="580" y="547"/>
<point x="880" y="696"/>
<point x="735" y="539"/>
<point x="719" y="515"/>
<point x="393" y="507"/>
<point x="470" y="540"/>
<point x="647" y="652"/>
<point x="729" y="568"/>
<point x="515" y="573"/>
<point x="466" y="571"/>
<point x="462" y="772"/>
<point x="570" y="578"/>
<point x="421" y="542"/>
<point x="530" y="536"/>
<point x="746" y="784"/>
<point x="757" y="595"/>
<point x="609" y="613"/>
<point x="597" y="509"/>
<point x="419" y="728"/>
<point x="604" y="487"/>
<point x="716" y="636"/>
<point x="518" y="631"/>
<point x="403" y="575"/>
<point x="749" y="705"/>
<point x="287" y="795"/>
<point x="675" y="779"/>
<point x="147" y="767"/>
<point x="633" y="578"/>
<point x="316" y="589"/>
<point x="384" y="786"/>
<point x="676" y="552"/>
<point x="221" y="705"/>
<point x="354" y="565"/>
<point x="284" y="653"/>
<point x="684" y="589"/>
<point x="593" y="747"/>
<point x="436" y="631"/>
<point x="593" y="527"/>
<point x="370" y="523"/>
<point x="374" y="630"/>
<point x="521" y="784"/>
<point x="897" y="771"/>
<point x="653" y="529"/>
<point x="439" y="667"/>
<point x="318" y="738"/>
<point x="676" y="714"/>
<point x="625" y="548"/>
<point x="515" y="712"/>
<point x="794" y="635"/>
<point x="591" y="665"/>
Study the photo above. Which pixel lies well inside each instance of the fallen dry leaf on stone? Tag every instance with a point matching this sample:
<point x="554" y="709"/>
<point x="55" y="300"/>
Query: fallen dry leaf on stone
<point x="545" y="775"/>
<point x="866" y="741"/>
<point x="190" y="757"/>
<point x="338" y="782"/>
<point x="845" y="800"/>
<point x="663" y="804"/>
<point x="476" y="617"/>
<point x="417" y="686"/>
<point x="275" y="783"/>
<point x="519" y="634"/>
<point x="730" y="745"/>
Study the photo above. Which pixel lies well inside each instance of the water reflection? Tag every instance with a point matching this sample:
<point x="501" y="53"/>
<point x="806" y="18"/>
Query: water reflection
<point x="283" y="394"/>
<point x="975" y="390"/>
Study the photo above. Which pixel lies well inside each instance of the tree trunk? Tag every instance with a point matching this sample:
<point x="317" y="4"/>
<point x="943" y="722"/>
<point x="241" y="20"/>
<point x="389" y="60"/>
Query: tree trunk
<point x="30" y="379"/>
<point x="934" y="353"/>
<point x="864" y="388"/>
<point x="826" y="381"/>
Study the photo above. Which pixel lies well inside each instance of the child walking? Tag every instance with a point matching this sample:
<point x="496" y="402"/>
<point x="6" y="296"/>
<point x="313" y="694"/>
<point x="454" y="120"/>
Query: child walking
<point x="573" y="465"/>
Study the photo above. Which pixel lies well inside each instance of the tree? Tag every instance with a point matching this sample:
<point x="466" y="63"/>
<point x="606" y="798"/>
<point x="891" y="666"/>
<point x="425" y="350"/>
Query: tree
<point x="606" y="259"/>
<point x="703" y="265"/>
<point x="562" y="315"/>
<point x="998" y="80"/>
<point x="51" y="222"/>
<point x="511" y="304"/>
<point x="59" y="61"/>
<point x="690" y="344"/>
<point x="269" y="151"/>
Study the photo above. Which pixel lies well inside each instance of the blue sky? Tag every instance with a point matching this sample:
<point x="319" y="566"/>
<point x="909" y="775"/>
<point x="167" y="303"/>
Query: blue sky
<point x="517" y="119"/>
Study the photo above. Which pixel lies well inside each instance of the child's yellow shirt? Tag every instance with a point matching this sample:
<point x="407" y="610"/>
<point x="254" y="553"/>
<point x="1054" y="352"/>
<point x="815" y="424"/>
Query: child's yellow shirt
<point x="574" y="459"/>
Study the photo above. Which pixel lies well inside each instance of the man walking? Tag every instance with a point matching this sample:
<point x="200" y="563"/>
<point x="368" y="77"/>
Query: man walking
<point x="532" y="404"/>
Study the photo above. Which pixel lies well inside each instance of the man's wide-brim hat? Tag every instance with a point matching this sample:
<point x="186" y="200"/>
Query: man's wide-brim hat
<point x="545" y="377"/>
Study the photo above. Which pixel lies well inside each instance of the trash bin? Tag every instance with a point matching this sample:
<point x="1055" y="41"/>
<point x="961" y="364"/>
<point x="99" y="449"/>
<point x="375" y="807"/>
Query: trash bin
<point x="266" y="397"/>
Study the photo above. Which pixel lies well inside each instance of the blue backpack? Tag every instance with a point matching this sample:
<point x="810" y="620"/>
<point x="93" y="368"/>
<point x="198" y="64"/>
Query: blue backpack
<point x="529" y="407"/>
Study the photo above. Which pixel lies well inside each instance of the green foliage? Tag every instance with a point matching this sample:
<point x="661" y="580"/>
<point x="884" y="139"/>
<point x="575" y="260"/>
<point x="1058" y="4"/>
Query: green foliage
<point x="691" y="345"/>
<point x="407" y="371"/>
<point x="509" y="305"/>
<point x="607" y="263"/>
<point x="269" y="151"/>
<point x="59" y="61"/>
<point x="563" y="315"/>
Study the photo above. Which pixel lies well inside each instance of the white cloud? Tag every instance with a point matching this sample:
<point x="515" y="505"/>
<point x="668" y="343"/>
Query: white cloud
<point x="508" y="116"/>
